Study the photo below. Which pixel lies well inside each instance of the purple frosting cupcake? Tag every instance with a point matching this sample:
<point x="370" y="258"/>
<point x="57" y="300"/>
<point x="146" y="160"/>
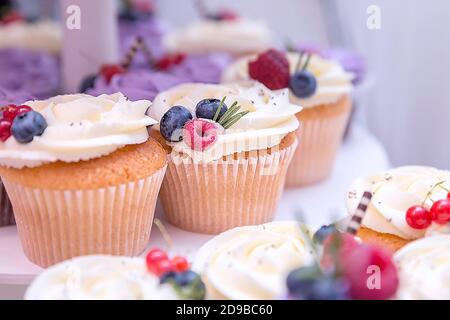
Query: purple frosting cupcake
<point x="35" y="72"/>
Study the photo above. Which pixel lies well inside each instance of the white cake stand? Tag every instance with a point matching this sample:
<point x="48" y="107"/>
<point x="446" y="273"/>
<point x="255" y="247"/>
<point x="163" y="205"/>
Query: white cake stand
<point x="320" y="204"/>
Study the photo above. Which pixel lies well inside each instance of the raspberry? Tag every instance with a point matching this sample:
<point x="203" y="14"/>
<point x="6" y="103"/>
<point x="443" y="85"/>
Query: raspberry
<point x="271" y="68"/>
<point x="337" y="246"/>
<point x="110" y="70"/>
<point x="199" y="134"/>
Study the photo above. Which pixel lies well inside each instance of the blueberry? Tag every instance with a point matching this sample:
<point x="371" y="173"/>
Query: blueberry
<point x="185" y="278"/>
<point x="28" y="125"/>
<point x="324" y="231"/>
<point x="166" y="277"/>
<point x="207" y="108"/>
<point x="88" y="83"/>
<point x="302" y="278"/>
<point x="172" y="123"/>
<point x="303" y="84"/>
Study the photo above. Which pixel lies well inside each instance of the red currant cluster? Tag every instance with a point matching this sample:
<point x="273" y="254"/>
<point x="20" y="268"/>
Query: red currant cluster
<point x="9" y="113"/>
<point x="169" y="60"/>
<point x="419" y="217"/>
<point x="11" y="17"/>
<point x="108" y="71"/>
<point x="159" y="263"/>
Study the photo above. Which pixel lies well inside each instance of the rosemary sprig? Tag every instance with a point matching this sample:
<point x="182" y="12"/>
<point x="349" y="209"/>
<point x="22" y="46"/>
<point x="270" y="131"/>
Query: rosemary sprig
<point x="234" y="119"/>
<point x="229" y="113"/>
<point x="308" y="58"/>
<point x="216" y="115"/>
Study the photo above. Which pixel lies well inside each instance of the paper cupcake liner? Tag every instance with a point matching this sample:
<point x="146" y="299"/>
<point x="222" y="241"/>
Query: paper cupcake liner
<point x="319" y="140"/>
<point x="55" y="225"/>
<point x="6" y="211"/>
<point x="220" y="195"/>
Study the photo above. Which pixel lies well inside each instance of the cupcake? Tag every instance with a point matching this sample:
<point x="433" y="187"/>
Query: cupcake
<point x="103" y="277"/>
<point x="423" y="267"/>
<point x="82" y="176"/>
<point x="252" y="262"/>
<point x="229" y="147"/>
<point x="406" y="202"/>
<point x="7" y="98"/>
<point x="220" y="32"/>
<point x="43" y="36"/>
<point x="36" y="73"/>
<point x="322" y="87"/>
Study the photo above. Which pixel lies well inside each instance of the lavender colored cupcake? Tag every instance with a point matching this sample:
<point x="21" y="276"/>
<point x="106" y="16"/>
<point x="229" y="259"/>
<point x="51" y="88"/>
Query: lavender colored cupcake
<point x="8" y="97"/>
<point x="137" y="84"/>
<point x="35" y="72"/>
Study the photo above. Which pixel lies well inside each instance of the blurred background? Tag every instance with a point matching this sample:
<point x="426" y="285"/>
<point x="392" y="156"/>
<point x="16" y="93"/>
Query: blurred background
<point x="403" y="100"/>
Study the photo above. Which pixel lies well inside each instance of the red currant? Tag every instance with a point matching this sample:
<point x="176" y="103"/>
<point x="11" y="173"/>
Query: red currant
<point x="179" y="58"/>
<point x="5" y="130"/>
<point x="161" y="267"/>
<point x="155" y="255"/>
<point x="418" y="217"/>
<point x="440" y="211"/>
<point x="180" y="264"/>
<point x="110" y="70"/>
<point x="164" y="63"/>
<point x="13" y="16"/>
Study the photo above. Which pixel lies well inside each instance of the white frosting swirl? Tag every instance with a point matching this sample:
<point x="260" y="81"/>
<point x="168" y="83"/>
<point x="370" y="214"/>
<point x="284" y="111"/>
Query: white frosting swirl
<point x="271" y="116"/>
<point x="333" y="82"/>
<point x="424" y="269"/>
<point x="80" y="127"/>
<point x="99" y="277"/>
<point x="252" y="262"/>
<point x="235" y="37"/>
<point x="38" y="36"/>
<point x="394" y="191"/>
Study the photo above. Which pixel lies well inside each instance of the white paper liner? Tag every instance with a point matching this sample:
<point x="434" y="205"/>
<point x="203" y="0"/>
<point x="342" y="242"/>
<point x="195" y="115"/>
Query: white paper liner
<point x="55" y="225"/>
<point x="220" y="195"/>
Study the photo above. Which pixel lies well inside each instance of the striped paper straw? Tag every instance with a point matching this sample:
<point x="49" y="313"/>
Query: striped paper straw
<point x="355" y="222"/>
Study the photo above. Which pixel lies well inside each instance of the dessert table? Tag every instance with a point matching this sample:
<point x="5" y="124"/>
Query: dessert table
<point x="319" y="204"/>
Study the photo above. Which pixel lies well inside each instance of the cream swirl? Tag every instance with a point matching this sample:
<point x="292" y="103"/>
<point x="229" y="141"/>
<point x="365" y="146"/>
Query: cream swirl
<point x="80" y="127"/>
<point x="252" y="262"/>
<point x="271" y="116"/>
<point x="424" y="269"/>
<point x="394" y="192"/>
<point x="99" y="277"/>
<point x="235" y="37"/>
<point x="333" y="82"/>
<point x="39" y="36"/>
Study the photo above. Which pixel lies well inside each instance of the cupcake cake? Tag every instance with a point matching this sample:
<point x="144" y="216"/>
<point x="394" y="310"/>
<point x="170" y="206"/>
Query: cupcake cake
<point x="36" y="73"/>
<point x="423" y="266"/>
<point x="322" y="87"/>
<point x="407" y="202"/>
<point x="252" y="262"/>
<point x="103" y="277"/>
<point x="7" y="98"/>
<point x="229" y="147"/>
<point x="41" y="36"/>
<point x="82" y="175"/>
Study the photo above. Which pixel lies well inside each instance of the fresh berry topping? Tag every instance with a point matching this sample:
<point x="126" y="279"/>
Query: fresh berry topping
<point x="189" y="285"/>
<point x="271" y="68"/>
<point x="185" y="278"/>
<point x="88" y="83"/>
<point x="169" y="60"/>
<point x="418" y="217"/>
<point x="309" y="283"/>
<point x="335" y="247"/>
<point x="323" y="232"/>
<point x="160" y="267"/>
<point x="5" y="130"/>
<point x="172" y="123"/>
<point x="167" y="277"/>
<point x="28" y="125"/>
<point x="207" y="109"/>
<point x="199" y="134"/>
<point x="108" y="71"/>
<point x="155" y="255"/>
<point x="440" y="211"/>
<point x="12" y="111"/>
<point x="303" y="84"/>
<point x="448" y="195"/>
<point x="223" y="15"/>
<point x="180" y="264"/>
<point x="370" y="272"/>
<point x="11" y="17"/>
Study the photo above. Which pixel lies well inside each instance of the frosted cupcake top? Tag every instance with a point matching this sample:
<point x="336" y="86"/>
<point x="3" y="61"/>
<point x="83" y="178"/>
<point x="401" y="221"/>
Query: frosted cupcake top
<point x="394" y="192"/>
<point x="424" y="269"/>
<point x="236" y="37"/>
<point x="333" y="82"/>
<point x="99" y="277"/>
<point x="38" y="36"/>
<point x="268" y="117"/>
<point x="252" y="262"/>
<point x="72" y="128"/>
